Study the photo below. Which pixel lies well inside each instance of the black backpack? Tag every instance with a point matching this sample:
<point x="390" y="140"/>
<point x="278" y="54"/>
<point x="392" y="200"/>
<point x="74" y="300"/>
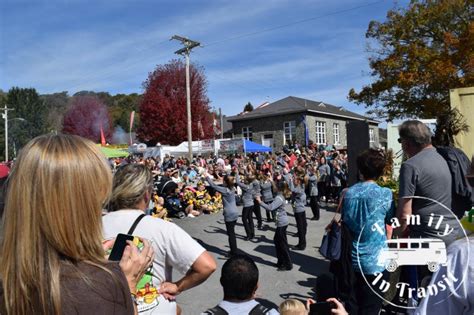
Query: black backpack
<point x="459" y="166"/>
<point x="259" y="309"/>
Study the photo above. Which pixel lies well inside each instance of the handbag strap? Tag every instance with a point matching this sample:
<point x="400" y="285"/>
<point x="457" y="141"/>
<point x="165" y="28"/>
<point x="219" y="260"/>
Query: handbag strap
<point x="134" y="225"/>
<point x="339" y="206"/>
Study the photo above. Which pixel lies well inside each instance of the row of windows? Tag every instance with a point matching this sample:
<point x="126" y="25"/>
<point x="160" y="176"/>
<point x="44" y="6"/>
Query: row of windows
<point x="405" y="245"/>
<point x="289" y="129"/>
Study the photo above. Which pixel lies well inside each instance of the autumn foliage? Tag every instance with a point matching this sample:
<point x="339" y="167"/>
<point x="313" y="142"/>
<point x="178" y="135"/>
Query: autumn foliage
<point x="163" y="107"/>
<point x="85" y="117"/>
<point x="417" y="55"/>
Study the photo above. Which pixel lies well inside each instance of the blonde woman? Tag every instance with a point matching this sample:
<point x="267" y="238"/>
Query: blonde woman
<point x="52" y="258"/>
<point x="174" y="248"/>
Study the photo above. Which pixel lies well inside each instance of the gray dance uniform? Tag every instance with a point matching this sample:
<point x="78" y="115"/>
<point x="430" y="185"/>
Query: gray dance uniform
<point x="299" y="204"/>
<point x="312" y="184"/>
<point x="278" y="205"/>
<point x="228" y="201"/>
<point x="266" y="191"/>
<point x="247" y="192"/>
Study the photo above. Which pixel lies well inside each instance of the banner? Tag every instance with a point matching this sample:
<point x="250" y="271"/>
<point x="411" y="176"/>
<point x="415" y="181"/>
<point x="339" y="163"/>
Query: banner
<point x="207" y="145"/>
<point x="234" y="145"/>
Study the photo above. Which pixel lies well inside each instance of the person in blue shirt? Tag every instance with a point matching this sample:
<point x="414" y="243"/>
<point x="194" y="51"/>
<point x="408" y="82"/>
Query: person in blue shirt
<point x="366" y="206"/>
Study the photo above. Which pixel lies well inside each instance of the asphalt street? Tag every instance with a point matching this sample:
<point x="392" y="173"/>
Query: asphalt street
<point x="275" y="286"/>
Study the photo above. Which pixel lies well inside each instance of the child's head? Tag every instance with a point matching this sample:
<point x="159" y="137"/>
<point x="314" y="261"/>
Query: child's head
<point x="201" y="186"/>
<point x="293" y="307"/>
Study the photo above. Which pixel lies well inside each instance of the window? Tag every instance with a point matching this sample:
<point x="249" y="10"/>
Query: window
<point x="335" y="131"/>
<point x="403" y="245"/>
<point x="415" y="245"/>
<point x="247" y="133"/>
<point x="392" y="245"/>
<point x="425" y="245"/>
<point x="371" y="135"/>
<point x="289" y="129"/>
<point x="320" y="132"/>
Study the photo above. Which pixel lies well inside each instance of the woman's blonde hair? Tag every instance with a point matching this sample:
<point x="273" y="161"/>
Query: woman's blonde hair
<point x="52" y="213"/>
<point x="292" y="307"/>
<point x="130" y="184"/>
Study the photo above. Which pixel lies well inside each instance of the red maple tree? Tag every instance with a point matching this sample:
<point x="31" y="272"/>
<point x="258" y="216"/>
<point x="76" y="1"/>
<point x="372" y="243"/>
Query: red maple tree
<point x="163" y="107"/>
<point x="86" y="116"/>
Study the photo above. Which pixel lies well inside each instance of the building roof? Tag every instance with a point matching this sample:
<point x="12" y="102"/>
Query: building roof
<point x="293" y="105"/>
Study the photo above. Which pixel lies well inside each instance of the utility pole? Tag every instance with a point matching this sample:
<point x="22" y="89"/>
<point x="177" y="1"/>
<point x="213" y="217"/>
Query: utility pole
<point x="5" y="116"/>
<point x="186" y="50"/>
<point x="222" y="123"/>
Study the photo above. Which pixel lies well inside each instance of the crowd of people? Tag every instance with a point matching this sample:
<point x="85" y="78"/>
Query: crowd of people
<point x="65" y="205"/>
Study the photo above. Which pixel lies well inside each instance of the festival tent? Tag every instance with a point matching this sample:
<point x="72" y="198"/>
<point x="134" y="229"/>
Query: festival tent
<point x="250" y="146"/>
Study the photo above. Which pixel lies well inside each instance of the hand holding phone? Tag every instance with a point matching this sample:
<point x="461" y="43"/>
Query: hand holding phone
<point x="331" y="306"/>
<point x="119" y="246"/>
<point x="135" y="262"/>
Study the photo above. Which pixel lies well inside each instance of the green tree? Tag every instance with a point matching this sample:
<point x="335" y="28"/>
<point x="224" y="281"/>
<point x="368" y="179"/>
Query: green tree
<point x="27" y="119"/>
<point x="57" y="104"/>
<point x="248" y="107"/>
<point x="417" y="55"/>
<point x="123" y="105"/>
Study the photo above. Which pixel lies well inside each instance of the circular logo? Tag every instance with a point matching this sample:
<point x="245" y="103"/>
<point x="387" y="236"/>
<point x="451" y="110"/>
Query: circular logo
<point x="422" y="254"/>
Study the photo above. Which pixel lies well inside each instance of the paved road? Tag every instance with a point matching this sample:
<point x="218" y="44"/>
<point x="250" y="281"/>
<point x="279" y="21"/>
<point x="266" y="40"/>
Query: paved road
<point x="275" y="286"/>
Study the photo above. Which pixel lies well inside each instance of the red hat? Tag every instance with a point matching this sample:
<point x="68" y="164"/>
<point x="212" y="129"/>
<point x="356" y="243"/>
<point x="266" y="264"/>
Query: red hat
<point x="4" y="171"/>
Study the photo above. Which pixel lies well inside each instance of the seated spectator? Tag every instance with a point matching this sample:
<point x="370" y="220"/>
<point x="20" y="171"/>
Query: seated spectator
<point x="159" y="210"/>
<point x="239" y="279"/>
<point x="174" y="248"/>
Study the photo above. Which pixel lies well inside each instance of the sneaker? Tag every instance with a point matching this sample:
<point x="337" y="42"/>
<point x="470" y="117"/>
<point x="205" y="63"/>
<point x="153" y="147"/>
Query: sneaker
<point x="191" y="215"/>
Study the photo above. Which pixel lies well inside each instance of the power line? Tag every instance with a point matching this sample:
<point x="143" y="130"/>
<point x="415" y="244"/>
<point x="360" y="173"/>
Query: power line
<point x="266" y="30"/>
<point x="109" y="73"/>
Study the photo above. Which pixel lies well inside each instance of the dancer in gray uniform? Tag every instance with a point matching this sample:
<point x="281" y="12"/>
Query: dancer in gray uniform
<point x="248" y="201"/>
<point x="299" y="207"/>
<point x="324" y="177"/>
<point x="312" y="178"/>
<point x="230" y="209"/>
<point x="281" y="242"/>
<point x="266" y="191"/>
<point x="256" y="205"/>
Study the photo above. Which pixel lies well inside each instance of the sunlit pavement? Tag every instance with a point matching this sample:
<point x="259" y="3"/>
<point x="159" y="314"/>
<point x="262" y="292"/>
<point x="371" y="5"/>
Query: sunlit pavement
<point x="274" y="285"/>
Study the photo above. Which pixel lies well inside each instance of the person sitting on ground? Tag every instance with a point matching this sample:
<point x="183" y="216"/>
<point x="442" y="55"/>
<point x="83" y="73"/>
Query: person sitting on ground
<point x="239" y="280"/>
<point x="174" y="248"/>
<point x="159" y="210"/>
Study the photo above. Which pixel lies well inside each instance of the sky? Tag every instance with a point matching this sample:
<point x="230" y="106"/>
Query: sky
<point x="252" y="51"/>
